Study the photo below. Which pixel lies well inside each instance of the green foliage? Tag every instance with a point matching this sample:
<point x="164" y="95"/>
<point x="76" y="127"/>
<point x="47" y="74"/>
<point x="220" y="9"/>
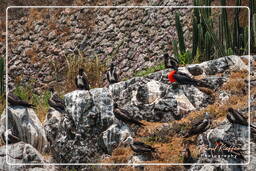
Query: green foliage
<point x="209" y="41"/>
<point x="207" y="25"/>
<point x="196" y="10"/>
<point x="195" y="36"/>
<point x="245" y="40"/>
<point x="220" y="30"/>
<point x="208" y="10"/>
<point x="175" y="48"/>
<point x="225" y="25"/>
<point x="252" y="7"/>
<point x="254" y="29"/>
<point x="236" y="30"/>
<point x="229" y="52"/>
<point x="2" y="104"/>
<point x="208" y="45"/>
<point x="149" y="70"/>
<point x="180" y="33"/>
<point x="185" y="58"/>
<point x="200" y="39"/>
<point x="40" y="101"/>
<point x="23" y="92"/>
<point x="26" y="93"/>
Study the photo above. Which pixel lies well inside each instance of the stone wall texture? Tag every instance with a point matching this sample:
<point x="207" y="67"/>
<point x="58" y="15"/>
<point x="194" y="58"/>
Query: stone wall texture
<point x="132" y="38"/>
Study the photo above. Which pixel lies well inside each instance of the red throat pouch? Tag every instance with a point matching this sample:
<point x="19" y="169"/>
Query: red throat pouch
<point x="170" y="76"/>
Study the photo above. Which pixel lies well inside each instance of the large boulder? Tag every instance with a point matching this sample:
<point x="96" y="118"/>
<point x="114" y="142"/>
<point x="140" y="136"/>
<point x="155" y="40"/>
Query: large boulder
<point x="25" y="125"/>
<point x="113" y="136"/>
<point x="154" y="99"/>
<point x="220" y="65"/>
<point x="52" y="124"/>
<point x="21" y="153"/>
<point x="88" y="128"/>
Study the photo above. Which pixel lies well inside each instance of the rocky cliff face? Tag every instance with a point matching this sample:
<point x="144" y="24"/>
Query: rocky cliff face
<point x="150" y="98"/>
<point x="89" y="132"/>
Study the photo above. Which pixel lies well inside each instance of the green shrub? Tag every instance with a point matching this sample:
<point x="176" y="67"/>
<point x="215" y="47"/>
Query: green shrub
<point x="40" y="101"/>
<point x="149" y="70"/>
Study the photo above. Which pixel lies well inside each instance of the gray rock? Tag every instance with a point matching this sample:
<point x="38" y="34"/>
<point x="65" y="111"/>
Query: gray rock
<point x="88" y="113"/>
<point x="25" y="125"/>
<point x="236" y="135"/>
<point x="231" y="63"/>
<point x="195" y="70"/>
<point x="113" y="136"/>
<point x="19" y="31"/>
<point x="20" y="153"/>
<point x="38" y="28"/>
<point x="52" y="124"/>
<point x="52" y="35"/>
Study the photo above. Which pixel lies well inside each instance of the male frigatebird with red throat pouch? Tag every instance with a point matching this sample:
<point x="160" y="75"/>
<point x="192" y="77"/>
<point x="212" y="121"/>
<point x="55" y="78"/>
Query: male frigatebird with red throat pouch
<point x="183" y="78"/>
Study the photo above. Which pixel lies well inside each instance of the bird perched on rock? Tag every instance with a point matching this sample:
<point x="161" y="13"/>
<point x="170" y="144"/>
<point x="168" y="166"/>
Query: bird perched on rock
<point x="199" y="127"/>
<point x="170" y="62"/>
<point x="81" y="80"/>
<point x="17" y="101"/>
<point x="55" y="101"/>
<point x="112" y="75"/>
<point x="187" y="158"/>
<point x="140" y="147"/>
<point x="8" y="135"/>
<point x="236" y="117"/>
<point x="185" y="79"/>
<point x="123" y="115"/>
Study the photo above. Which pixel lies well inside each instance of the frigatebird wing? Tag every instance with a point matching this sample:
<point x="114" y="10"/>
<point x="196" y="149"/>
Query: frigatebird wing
<point x="86" y="83"/>
<point x="239" y="118"/>
<point x="58" y="100"/>
<point x="76" y="82"/>
<point x="115" y="76"/>
<point x="141" y="147"/>
<point x="123" y="115"/>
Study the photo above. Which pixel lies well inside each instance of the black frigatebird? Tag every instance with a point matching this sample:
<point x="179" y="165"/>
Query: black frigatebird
<point x="235" y="117"/>
<point x="81" y="80"/>
<point x="200" y="126"/>
<point x="187" y="158"/>
<point x="123" y="115"/>
<point x="140" y="147"/>
<point x="55" y="101"/>
<point x="17" y="101"/>
<point x="112" y="75"/>
<point x="184" y="79"/>
<point x="170" y="62"/>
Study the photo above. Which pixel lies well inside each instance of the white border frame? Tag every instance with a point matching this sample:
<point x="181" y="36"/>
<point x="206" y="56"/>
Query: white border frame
<point x="133" y="164"/>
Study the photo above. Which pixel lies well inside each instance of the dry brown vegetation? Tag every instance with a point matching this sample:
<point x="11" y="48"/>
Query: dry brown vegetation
<point x="2" y="104"/>
<point x="120" y="155"/>
<point x="94" y="68"/>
